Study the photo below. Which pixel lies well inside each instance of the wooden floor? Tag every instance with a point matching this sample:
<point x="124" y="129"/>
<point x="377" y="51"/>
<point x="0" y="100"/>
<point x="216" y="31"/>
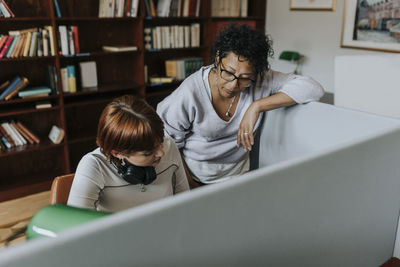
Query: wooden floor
<point x="15" y="214"/>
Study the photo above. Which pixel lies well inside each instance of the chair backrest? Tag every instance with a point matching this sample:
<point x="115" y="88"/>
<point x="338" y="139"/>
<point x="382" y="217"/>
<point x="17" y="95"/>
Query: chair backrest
<point x="60" y="188"/>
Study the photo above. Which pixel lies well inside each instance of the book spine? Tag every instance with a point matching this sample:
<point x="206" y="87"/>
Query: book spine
<point x="18" y="134"/>
<point x="71" y="79"/>
<point x="11" y="133"/>
<point x="24" y="83"/>
<point x="9" y="39"/>
<point x="24" y="134"/>
<point x="57" y="8"/>
<point x="71" y="45"/>
<point x="40" y="43"/>
<point x="30" y="133"/>
<point x="64" y="80"/>
<point x="75" y="34"/>
<point x="33" y="46"/>
<point x="27" y="44"/>
<point x="62" y="29"/>
<point x="13" y="84"/>
<point x="8" y="9"/>
<point x="51" y="40"/>
<point x="12" y="46"/>
<point x="7" y="140"/>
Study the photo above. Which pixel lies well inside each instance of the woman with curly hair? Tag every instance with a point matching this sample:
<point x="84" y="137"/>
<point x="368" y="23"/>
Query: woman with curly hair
<point x="216" y="110"/>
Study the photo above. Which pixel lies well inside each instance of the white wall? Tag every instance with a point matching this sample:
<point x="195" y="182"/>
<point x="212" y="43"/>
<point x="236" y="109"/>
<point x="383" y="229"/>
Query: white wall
<point x="316" y="34"/>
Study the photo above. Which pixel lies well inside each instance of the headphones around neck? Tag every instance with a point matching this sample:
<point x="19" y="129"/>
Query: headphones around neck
<point x="135" y="174"/>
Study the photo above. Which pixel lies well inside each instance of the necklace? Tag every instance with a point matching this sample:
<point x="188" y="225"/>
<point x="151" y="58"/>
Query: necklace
<point x="227" y="114"/>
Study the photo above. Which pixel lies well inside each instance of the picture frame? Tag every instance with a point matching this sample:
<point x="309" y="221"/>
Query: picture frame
<point x="316" y="5"/>
<point x="371" y="26"/>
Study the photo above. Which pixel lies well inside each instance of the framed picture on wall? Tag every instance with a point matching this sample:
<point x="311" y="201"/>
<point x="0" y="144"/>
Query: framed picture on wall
<point x="328" y="5"/>
<point x="372" y="25"/>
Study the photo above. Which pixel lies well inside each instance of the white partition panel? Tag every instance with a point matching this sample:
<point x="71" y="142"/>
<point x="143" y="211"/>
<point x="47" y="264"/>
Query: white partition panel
<point x="368" y="83"/>
<point x="335" y="207"/>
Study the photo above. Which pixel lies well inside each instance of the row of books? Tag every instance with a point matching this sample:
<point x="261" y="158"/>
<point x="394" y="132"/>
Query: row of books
<point x="173" y="8"/>
<point x="181" y="68"/>
<point x="5" y="11"/>
<point x="15" y="134"/>
<point x="27" y="43"/>
<point x="88" y="77"/>
<point x="174" y="36"/>
<point x="68" y="40"/>
<point x="118" y="8"/>
<point x="229" y="8"/>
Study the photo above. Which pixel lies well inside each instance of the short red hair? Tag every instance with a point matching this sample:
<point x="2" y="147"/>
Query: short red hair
<point x="127" y="125"/>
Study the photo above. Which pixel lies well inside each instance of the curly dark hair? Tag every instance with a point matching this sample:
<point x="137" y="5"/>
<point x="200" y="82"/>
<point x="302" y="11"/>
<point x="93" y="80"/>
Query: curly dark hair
<point x="244" y="42"/>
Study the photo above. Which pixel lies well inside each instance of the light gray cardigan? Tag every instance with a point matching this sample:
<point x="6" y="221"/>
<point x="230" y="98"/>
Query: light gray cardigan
<point x="190" y="119"/>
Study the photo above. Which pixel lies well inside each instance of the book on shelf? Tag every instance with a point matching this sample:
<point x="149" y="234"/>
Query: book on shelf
<point x="6" y="138"/>
<point x="56" y="134"/>
<point x="28" y="42"/>
<point x="71" y="78"/>
<point x="5" y="10"/>
<point x="26" y="136"/>
<point x="161" y="80"/>
<point x="16" y="84"/>
<point x="4" y="85"/>
<point x="64" y="79"/>
<point x="88" y="71"/>
<point x="21" y="86"/>
<point x="118" y="8"/>
<point x="229" y="8"/>
<point x="119" y="48"/>
<point x="6" y="45"/>
<point x="62" y="29"/>
<point x="13" y="134"/>
<point x="181" y="68"/>
<point x="43" y="104"/>
<point x="173" y="36"/>
<point x="3" y="40"/>
<point x="57" y="9"/>
<point x="34" y="137"/>
<point x="75" y="36"/>
<point x="34" y="92"/>
<point x="52" y="78"/>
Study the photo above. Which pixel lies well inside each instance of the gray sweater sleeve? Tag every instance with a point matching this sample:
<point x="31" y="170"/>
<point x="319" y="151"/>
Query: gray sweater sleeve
<point x="177" y="115"/>
<point x="301" y="89"/>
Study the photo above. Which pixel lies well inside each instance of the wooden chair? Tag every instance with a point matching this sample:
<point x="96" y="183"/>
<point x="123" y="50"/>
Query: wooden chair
<point x="60" y="188"/>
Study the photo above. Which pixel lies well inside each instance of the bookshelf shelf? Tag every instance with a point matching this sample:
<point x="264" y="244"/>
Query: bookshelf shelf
<point x="43" y="58"/>
<point x="44" y="145"/>
<point x="116" y="20"/>
<point x="25" y="100"/>
<point x="118" y="73"/>
<point x="26" y="19"/>
<point x="27" y="111"/>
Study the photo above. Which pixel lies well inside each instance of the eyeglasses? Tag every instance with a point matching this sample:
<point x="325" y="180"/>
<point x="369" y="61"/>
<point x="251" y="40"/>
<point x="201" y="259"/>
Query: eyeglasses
<point x="229" y="77"/>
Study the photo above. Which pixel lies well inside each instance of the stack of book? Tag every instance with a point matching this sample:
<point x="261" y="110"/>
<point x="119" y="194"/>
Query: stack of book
<point x="69" y="40"/>
<point x="37" y="91"/>
<point x="9" y="89"/>
<point x="5" y="11"/>
<point x="181" y="68"/>
<point x="118" y="8"/>
<point x="15" y="134"/>
<point x="174" y="36"/>
<point x="229" y="8"/>
<point x="28" y="43"/>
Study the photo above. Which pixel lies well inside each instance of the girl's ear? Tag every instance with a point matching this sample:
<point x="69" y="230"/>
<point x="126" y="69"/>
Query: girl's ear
<point x="116" y="154"/>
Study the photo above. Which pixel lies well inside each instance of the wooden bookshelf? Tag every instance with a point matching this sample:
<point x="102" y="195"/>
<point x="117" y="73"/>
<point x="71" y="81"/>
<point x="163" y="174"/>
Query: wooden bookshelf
<point x="31" y="168"/>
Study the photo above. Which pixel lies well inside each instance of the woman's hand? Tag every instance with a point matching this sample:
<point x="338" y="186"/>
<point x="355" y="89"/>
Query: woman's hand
<point x="245" y="135"/>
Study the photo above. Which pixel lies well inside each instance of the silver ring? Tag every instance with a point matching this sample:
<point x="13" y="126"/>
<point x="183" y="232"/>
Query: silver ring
<point x="245" y="133"/>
